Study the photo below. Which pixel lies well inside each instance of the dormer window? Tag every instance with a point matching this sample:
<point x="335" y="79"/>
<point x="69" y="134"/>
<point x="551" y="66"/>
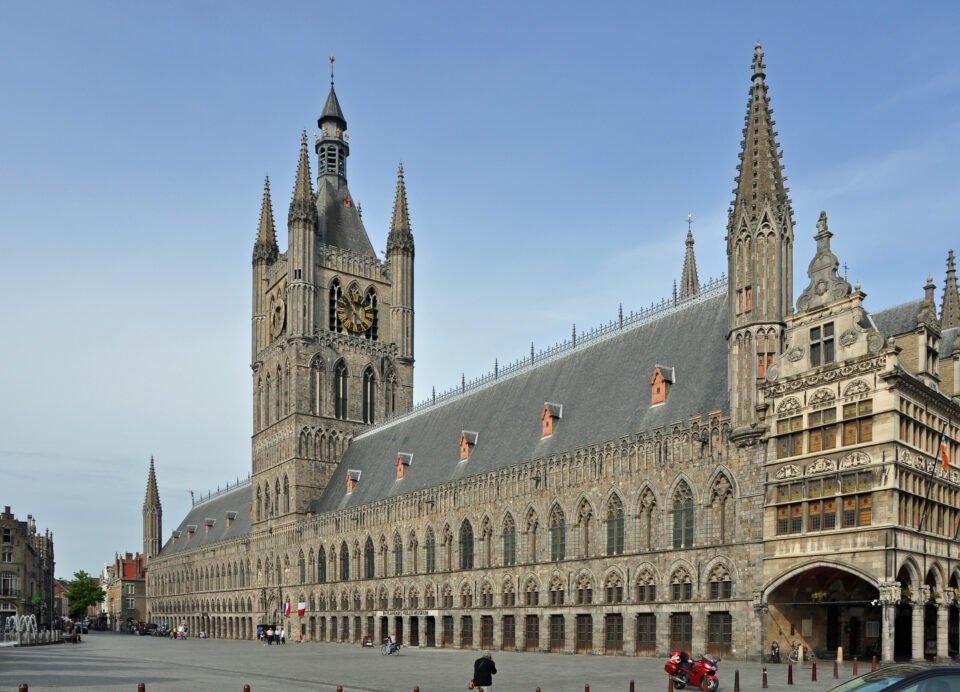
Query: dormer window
<point x="208" y="523"/>
<point x="191" y="529"/>
<point x="353" y="477"/>
<point x="549" y="416"/>
<point x="660" y="382"/>
<point x="467" y="441"/>
<point x="403" y="460"/>
<point x="821" y="345"/>
<point x="230" y="516"/>
<point x="175" y="536"/>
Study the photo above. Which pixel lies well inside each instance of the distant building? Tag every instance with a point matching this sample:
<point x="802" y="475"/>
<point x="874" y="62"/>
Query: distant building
<point x="26" y="569"/>
<point x="125" y="588"/>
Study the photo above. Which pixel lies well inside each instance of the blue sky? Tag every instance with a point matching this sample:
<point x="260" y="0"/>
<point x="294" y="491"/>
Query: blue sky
<point x="552" y="152"/>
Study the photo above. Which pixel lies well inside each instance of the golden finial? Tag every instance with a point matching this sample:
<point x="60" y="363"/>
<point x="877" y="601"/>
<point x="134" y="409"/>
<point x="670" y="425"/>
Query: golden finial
<point x="324" y="130"/>
<point x="338" y="132"/>
<point x="347" y="137"/>
<point x="331" y="69"/>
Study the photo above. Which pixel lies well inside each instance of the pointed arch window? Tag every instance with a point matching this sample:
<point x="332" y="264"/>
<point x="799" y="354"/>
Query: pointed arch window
<point x="431" y="552"/>
<point x="344" y="562"/>
<point x="316" y="387"/>
<point x="302" y="567"/>
<point x="397" y="556"/>
<point x="615" y="527"/>
<point x="266" y="500"/>
<point x="266" y="402"/>
<point x="390" y="393"/>
<point x="648" y="504"/>
<point x="369" y="567"/>
<point x="322" y="566"/>
<point x="286" y="494"/>
<point x="368" y="395"/>
<point x="259" y="503"/>
<point x="371" y="299"/>
<point x="509" y="542"/>
<point x="558" y="535"/>
<point x="683" y="517"/>
<point x="466" y="545"/>
<point x="336" y="291"/>
<point x="340" y="391"/>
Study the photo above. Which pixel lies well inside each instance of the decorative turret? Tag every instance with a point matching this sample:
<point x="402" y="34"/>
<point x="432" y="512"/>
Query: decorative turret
<point x="265" y="248"/>
<point x="152" y="516"/>
<point x="400" y="256"/>
<point x="301" y="229"/>
<point x="689" y="283"/>
<point x="760" y="258"/>
<point x="265" y="252"/>
<point x="950" y="305"/>
<point x="826" y="285"/>
<point x="928" y="311"/>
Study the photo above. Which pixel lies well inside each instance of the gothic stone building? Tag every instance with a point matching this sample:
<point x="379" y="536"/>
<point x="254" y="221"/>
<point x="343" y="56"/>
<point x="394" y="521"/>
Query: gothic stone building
<point x="722" y="470"/>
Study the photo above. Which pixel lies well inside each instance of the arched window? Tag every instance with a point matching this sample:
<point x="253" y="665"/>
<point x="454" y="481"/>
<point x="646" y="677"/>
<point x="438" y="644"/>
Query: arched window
<point x="397" y="556"/>
<point x="466" y="545"/>
<point x="373" y="332"/>
<point x="556" y="592"/>
<point x="279" y="569"/>
<point x="266" y="402"/>
<point x="286" y="494"/>
<point x="340" y="391"/>
<point x="322" y="565"/>
<point x="266" y="500"/>
<point x="615" y="526"/>
<point x="368" y="563"/>
<point x="614" y="588"/>
<point x="721" y="587"/>
<point x="721" y="499"/>
<point x="682" y="585"/>
<point x="558" y="538"/>
<point x="584" y="590"/>
<point x="390" y="393"/>
<point x="532" y="524"/>
<point x="259" y="503"/>
<point x="509" y="542"/>
<point x="431" y="552"/>
<point x="276" y="496"/>
<point x="344" y="562"/>
<point x="368" y="395"/>
<point x="532" y="592"/>
<point x="683" y="517"/>
<point x="648" y="503"/>
<point x="316" y="387"/>
<point x="584" y="519"/>
<point x="302" y="567"/>
<point x="335" y="292"/>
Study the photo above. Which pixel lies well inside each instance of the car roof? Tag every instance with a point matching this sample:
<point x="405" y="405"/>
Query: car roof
<point x="908" y="673"/>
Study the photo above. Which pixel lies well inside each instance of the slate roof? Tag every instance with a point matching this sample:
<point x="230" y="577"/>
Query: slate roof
<point x="338" y="223"/>
<point x="899" y="319"/>
<point x="604" y="387"/>
<point x="234" y="500"/>
<point x="331" y="109"/>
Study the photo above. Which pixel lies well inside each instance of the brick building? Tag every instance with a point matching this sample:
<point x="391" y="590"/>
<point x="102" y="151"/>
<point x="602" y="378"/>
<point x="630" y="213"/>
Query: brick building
<point x="26" y="570"/>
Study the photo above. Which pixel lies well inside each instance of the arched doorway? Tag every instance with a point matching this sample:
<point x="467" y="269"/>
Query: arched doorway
<point x="823" y="607"/>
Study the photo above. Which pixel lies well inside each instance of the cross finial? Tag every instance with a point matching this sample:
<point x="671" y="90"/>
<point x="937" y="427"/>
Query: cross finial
<point x="331" y="69"/>
<point x="689" y="222"/>
<point x="845" y="270"/>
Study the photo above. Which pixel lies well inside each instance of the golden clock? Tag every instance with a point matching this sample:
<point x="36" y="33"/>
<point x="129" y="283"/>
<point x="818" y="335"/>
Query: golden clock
<point x="355" y="312"/>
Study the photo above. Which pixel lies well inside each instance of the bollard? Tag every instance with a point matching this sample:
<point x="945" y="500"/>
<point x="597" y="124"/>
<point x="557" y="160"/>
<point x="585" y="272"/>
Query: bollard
<point x="703" y="685"/>
<point x="934" y="659"/>
<point x="23" y="688"/>
<point x="836" y="673"/>
<point x="855" y="667"/>
<point x="339" y="688"/>
<point x="789" y="673"/>
<point x="586" y="688"/>
<point x="631" y="686"/>
<point x="141" y="688"/>
<point x="873" y="664"/>
<point x="246" y="688"/>
<point x="764" y="686"/>
<point x="416" y="688"/>
<point x="670" y="684"/>
<point x="813" y="672"/>
<point x="736" y="681"/>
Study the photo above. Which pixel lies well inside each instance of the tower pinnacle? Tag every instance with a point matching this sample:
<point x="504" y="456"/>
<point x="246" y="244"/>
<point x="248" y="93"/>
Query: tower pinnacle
<point x="950" y="305"/>
<point x="400" y="235"/>
<point x="689" y="283"/>
<point x="265" y="247"/>
<point x="302" y="204"/>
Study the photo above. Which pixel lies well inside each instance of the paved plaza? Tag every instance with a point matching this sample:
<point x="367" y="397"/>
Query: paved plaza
<point x="106" y="661"/>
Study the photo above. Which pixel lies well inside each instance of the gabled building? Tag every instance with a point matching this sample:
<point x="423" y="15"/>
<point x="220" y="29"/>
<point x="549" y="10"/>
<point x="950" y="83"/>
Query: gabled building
<point x="26" y="570"/>
<point x="729" y="467"/>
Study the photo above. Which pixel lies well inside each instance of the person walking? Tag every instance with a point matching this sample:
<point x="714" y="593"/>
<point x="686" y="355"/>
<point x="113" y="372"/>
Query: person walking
<point x="483" y="671"/>
<point x="270" y="634"/>
<point x="283" y="635"/>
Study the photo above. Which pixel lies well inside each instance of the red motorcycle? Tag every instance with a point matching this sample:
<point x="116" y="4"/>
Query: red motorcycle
<point x="686" y="671"/>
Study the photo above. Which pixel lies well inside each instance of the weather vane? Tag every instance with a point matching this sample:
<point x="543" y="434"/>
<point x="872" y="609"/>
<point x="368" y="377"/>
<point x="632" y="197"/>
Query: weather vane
<point x="689" y="222"/>
<point x="331" y="69"/>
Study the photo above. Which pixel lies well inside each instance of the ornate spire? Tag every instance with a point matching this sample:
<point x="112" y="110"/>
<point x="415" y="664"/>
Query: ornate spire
<point x="928" y="311"/>
<point x="331" y="110"/>
<point x="152" y="498"/>
<point x="760" y="180"/>
<point x="400" y="236"/>
<point x="825" y="284"/>
<point x="950" y="306"/>
<point x="689" y="283"/>
<point x="302" y="205"/>
<point x="265" y="247"/>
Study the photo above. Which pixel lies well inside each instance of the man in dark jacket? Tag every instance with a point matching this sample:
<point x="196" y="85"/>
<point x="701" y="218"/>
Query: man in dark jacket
<point x="483" y="671"/>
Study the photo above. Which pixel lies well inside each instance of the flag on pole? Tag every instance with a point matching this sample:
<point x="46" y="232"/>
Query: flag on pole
<point x="301" y="608"/>
<point x="286" y="608"/>
<point x="943" y="450"/>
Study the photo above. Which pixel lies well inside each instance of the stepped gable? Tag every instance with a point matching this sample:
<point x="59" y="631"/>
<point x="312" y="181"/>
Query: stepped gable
<point x="899" y="319"/>
<point x="604" y="388"/>
<point x="236" y="499"/>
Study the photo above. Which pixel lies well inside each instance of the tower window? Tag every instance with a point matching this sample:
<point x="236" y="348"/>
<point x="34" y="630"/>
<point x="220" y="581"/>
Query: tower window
<point x="336" y="290"/>
<point x="821" y="345"/>
<point x="340" y="391"/>
<point x="368" y="398"/>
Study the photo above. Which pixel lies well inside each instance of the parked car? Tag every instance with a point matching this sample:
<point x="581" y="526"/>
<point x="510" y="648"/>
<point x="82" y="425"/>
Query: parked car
<point x="905" y="677"/>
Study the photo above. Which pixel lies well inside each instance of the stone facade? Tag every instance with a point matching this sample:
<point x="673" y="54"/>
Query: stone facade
<point x="26" y="570"/>
<point x="725" y="470"/>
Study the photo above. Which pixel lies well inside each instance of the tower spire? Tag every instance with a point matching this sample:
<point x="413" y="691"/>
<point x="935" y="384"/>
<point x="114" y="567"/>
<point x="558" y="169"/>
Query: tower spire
<point x="152" y="497"/>
<point x="950" y="305"/>
<point x="265" y="247"/>
<point x="152" y="516"/>
<point x="689" y="282"/>
<point x="400" y="234"/>
<point x="302" y="204"/>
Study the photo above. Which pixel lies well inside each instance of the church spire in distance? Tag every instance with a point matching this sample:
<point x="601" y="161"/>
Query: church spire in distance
<point x="689" y="283"/>
<point x="152" y="516"/>
<point x="265" y="247"/>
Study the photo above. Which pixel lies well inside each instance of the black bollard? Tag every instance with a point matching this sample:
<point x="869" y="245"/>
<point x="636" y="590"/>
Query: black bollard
<point x="764" y="686"/>
<point x="789" y="673"/>
<point x="813" y="672"/>
<point x="736" y="681"/>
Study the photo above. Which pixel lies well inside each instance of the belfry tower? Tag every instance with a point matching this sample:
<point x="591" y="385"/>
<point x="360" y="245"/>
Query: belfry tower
<point x="152" y="517"/>
<point x="760" y="259"/>
<point x="332" y="328"/>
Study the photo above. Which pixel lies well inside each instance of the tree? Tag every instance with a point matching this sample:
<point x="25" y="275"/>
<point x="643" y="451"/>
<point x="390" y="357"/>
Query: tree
<point x="84" y="591"/>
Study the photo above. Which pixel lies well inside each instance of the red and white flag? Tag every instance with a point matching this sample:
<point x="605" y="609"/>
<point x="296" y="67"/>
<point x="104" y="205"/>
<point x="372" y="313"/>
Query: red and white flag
<point x="301" y="608"/>
<point x="286" y="608"/>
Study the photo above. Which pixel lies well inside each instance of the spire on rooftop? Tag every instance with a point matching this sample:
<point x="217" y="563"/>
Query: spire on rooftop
<point x="400" y="235"/>
<point x="152" y="498"/>
<point x="928" y="311"/>
<point x="689" y="283"/>
<point x="265" y="247"/>
<point x="302" y="204"/>
<point x="331" y="110"/>
<point x="950" y="305"/>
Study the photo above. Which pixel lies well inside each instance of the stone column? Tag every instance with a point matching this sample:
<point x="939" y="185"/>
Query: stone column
<point x="406" y="630"/>
<point x="916" y="651"/>
<point x="698" y="639"/>
<point x="887" y="633"/>
<point x="569" y="633"/>
<point x="943" y="613"/>
<point x="497" y="642"/>
<point x="663" y="631"/>
<point x="544" y="621"/>
<point x="599" y="628"/>
<point x="630" y="633"/>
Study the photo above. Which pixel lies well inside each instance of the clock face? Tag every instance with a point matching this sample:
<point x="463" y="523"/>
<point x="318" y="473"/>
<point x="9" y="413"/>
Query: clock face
<point x="278" y="313"/>
<point x="355" y="312"/>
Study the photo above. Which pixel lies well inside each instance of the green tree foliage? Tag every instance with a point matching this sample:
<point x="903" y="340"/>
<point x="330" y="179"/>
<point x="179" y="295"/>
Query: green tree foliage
<point x="84" y="591"/>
